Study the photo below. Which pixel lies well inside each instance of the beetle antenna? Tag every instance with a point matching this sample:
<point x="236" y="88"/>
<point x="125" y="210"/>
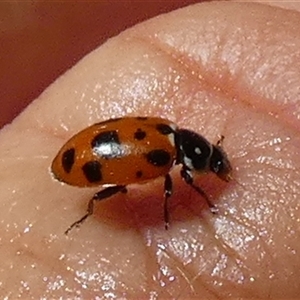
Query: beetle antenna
<point x="220" y="141"/>
<point x="231" y="178"/>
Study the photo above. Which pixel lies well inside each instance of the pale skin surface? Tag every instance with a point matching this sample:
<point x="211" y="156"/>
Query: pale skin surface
<point x="214" y="68"/>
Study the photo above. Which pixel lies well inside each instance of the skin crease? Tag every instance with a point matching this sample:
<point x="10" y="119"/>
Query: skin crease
<point x="216" y="68"/>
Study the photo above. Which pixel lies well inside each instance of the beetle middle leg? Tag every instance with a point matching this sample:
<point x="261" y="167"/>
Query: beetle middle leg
<point x="106" y="193"/>
<point x="168" y="188"/>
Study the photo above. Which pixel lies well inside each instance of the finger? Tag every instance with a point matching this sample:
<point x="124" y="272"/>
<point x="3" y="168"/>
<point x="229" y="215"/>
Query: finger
<point x="181" y="64"/>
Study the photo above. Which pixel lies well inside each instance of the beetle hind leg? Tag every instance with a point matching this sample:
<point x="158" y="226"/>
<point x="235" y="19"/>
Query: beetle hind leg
<point x="106" y="193"/>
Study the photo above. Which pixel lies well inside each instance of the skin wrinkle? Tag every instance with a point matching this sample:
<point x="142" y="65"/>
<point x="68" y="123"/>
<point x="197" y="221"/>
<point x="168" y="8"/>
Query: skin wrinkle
<point x="185" y="64"/>
<point x="179" y="266"/>
<point x="227" y="249"/>
<point x="113" y="234"/>
<point x="260" y="101"/>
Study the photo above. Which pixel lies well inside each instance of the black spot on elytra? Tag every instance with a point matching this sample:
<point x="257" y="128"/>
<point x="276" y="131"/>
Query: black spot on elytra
<point x="164" y="129"/>
<point x="142" y="118"/>
<point x="105" y="137"/>
<point x="68" y="159"/>
<point x="92" y="171"/>
<point x="107" y="145"/>
<point x="139" y="134"/>
<point x="139" y="174"/>
<point x="158" y="157"/>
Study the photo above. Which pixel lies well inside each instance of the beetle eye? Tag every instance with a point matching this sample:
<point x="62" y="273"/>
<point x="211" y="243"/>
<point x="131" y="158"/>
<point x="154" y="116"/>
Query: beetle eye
<point x="219" y="164"/>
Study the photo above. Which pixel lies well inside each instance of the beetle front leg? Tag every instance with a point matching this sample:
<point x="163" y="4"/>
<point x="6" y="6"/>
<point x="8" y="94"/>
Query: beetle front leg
<point x="188" y="178"/>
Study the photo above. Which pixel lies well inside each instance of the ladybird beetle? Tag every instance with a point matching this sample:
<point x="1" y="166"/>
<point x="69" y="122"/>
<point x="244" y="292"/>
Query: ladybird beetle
<point x="122" y="151"/>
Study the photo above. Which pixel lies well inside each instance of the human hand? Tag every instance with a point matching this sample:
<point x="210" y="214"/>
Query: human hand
<point x="216" y="68"/>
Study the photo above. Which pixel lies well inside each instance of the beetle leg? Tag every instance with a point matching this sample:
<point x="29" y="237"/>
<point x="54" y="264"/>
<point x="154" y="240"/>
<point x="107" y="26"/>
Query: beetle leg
<point x="108" y="192"/>
<point x="188" y="178"/>
<point x="168" y="187"/>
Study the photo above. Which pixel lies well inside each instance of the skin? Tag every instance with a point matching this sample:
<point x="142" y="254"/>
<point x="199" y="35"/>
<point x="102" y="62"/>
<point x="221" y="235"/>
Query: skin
<point x="216" y="68"/>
